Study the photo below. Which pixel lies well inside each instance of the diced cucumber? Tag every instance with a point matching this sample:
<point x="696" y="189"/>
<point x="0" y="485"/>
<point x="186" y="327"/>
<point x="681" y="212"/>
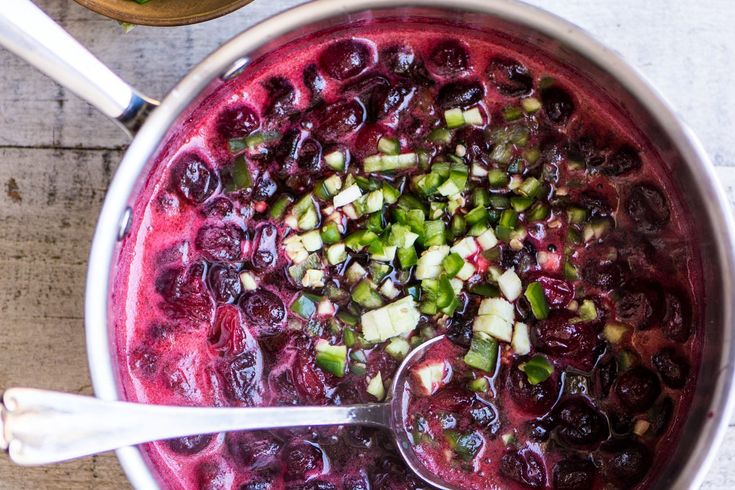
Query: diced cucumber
<point x="466" y="272"/>
<point x="305" y="305"/>
<point x="358" y="240"/>
<point x="398" y="348"/>
<point x="531" y="104"/>
<point x="429" y="378"/>
<point x="454" y="118"/>
<point x="336" y="160"/>
<point x="390" y="193"/>
<point x="479" y="385"/>
<point x="365" y="295"/>
<point x="389" y="146"/>
<point x="434" y="233"/>
<point x="538" y="369"/>
<point x="389" y="321"/>
<point x="387" y="255"/>
<point x="249" y="281"/>
<point x="494" y="326"/>
<point x="375" y="387"/>
<point x="521" y="342"/>
<point x="441" y="135"/>
<point x="466" y="247"/>
<point x="497" y="307"/>
<point x="452" y="264"/>
<point x="347" y="196"/>
<point x="614" y="332"/>
<point x="313" y="278"/>
<point x="333" y="184"/>
<point x="407" y="257"/>
<point x="473" y="117"/>
<point x="429" y="265"/>
<point x="483" y="353"/>
<point x="325" y="308"/>
<point x="387" y="163"/>
<point x="587" y="311"/>
<point x="389" y="290"/>
<point x="337" y="253"/>
<point x="309" y="220"/>
<point x="374" y="202"/>
<point x="330" y="233"/>
<point x="487" y="239"/>
<point x="355" y="272"/>
<point x="510" y="285"/>
<point x="331" y="358"/>
<point x="312" y="241"/>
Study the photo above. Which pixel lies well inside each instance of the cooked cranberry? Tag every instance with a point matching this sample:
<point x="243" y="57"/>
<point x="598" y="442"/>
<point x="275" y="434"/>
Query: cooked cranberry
<point x="452" y="399"/>
<point x="625" y="160"/>
<point x="214" y="475"/>
<point x="525" y="467"/>
<point x="558" y="104"/>
<point x="185" y="292"/>
<point x="486" y="416"/>
<point x="219" y="207"/>
<point x="336" y="121"/>
<point x="313" y="80"/>
<point x="189" y="445"/>
<point x="253" y="449"/>
<point x="226" y="334"/>
<point x="475" y="140"/>
<point x="672" y="367"/>
<point x="356" y="482"/>
<point x="359" y="437"/>
<point x="660" y="416"/>
<point x="310" y="156"/>
<point x="257" y="485"/>
<point x="265" y="187"/>
<point x="365" y="86"/>
<point x="313" y="485"/>
<point x="220" y="242"/>
<point x="302" y="460"/>
<point x="194" y="179"/>
<point x="450" y="57"/>
<point x="287" y="149"/>
<point x="607" y="373"/>
<point x="522" y="259"/>
<point x="677" y="317"/>
<point x="460" y="331"/>
<point x="264" y="309"/>
<point x="242" y="376"/>
<point x="237" y="122"/>
<point x="597" y="205"/>
<point x="588" y="150"/>
<point x="574" y="341"/>
<point x="648" y="207"/>
<point x="559" y="293"/>
<point x="605" y="274"/>
<point x="345" y="59"/>
<point x="399" y="59"/>
<point x="638" y="388"/>
<point x="265" y="254"/>
<point x="283" y="388"/>
<point x="463" y="93"/>
<point x="510" y="77"/>
<point x="309" y="381"/>
<point x="144" y="361"/>
<point x="534" y="399"/>
<point x="628" y="462"/>
<point x="574" y="474"/>
<point x="281" y="96"/>
<point x="224" y="282"/>
<point x="386" y="102"/>
<point x="638" y="304"/>
<point x="578" y="423"/>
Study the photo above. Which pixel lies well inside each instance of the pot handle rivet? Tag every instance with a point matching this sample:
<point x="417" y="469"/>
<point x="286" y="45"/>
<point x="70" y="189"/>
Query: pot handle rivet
<point x="235" y="69"/>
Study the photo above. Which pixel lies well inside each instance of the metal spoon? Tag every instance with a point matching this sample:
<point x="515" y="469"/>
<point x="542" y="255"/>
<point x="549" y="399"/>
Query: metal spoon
<point x="40" y="427"/>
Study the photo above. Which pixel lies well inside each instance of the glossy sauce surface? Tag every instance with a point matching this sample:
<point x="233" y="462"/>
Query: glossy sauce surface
<point x="188" y="333"/>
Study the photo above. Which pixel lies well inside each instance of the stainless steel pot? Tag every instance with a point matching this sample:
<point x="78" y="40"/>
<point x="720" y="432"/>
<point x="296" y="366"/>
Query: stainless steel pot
<point x="688" y="164"/>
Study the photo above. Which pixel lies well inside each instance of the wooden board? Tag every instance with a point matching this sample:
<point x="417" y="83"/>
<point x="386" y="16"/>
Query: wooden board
<point x="57" y="156"/>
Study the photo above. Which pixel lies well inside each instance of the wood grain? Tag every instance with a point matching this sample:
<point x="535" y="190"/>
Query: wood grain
<point x="57" y="156"/>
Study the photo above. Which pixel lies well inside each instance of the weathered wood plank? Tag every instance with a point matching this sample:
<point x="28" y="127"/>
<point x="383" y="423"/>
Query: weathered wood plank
<point x="51" y="197"/>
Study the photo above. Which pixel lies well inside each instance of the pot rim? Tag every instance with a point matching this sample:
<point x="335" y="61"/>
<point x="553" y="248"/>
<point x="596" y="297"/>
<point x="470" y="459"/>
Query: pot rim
<point x="116" y="212"/>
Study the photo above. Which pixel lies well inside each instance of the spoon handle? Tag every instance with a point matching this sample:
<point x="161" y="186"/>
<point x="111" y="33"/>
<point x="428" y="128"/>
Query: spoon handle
<point x="40" y="427"/>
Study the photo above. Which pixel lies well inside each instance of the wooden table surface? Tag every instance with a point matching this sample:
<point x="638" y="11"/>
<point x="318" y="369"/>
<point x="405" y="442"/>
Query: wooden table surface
<point x="57" y="156"/>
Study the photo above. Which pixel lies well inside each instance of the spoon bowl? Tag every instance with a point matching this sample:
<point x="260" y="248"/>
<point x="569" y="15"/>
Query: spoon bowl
<point x="42" y="427"/>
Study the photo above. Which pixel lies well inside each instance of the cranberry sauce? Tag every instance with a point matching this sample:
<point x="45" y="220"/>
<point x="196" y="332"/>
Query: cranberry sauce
<point x="359" y="192"/>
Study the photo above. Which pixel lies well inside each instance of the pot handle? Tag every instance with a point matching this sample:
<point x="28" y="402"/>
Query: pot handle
<point x="28" y="32"/>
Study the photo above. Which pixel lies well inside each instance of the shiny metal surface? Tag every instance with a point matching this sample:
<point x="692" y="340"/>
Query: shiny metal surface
<point x="32" y="35"/>
<point x="42" y="427"/>
<point x="688" y="164"/>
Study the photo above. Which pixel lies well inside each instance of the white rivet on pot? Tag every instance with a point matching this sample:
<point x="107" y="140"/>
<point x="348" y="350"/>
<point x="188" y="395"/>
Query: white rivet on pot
<point x="235" y="69"/>
<point x="125" y="221"/>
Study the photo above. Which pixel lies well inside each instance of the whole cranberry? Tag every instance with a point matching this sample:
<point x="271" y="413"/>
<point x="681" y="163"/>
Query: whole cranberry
<point x="189" y="445"/>
<point x="574" y="474"/>
<point x="648" y="208"/>
<point x="638" y="388"/>
<point x="463" y="93"/>
<point x="525" y="467"/>
<point x="220" y="242"/>
<point x="534" y="399"/>
<point x="578" y="424"/>
<point x="242" y="376"/>
<point x="302" y="460"/>
<point x="237" y="121"/>
<point x="510" y="77"/>
<point x="345" y="59"/>
<point x="672" y="367"/>
<point x="558" y="104"/>
<point x="193" y="179"/>
<point x="264" y="309"/>
<point x="185" y="293"/>
<point x="450" y="57"/>
<point x="627" y="462"/>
